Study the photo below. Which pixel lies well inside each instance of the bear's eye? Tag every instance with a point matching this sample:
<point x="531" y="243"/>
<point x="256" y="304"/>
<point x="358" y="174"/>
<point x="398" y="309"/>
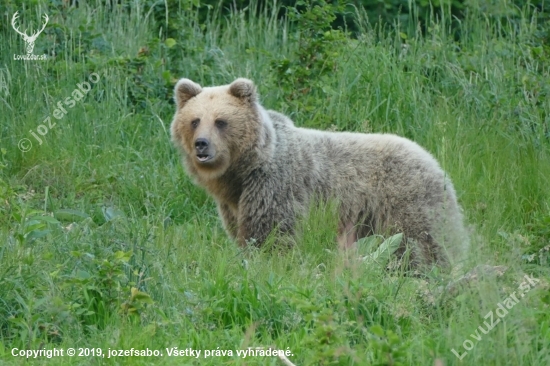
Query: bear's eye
<point x="195" y="123"/>
<point x="220" y="123"/>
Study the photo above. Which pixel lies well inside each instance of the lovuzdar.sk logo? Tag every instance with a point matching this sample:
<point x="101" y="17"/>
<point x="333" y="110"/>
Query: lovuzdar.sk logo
<point x="29" y="39"/>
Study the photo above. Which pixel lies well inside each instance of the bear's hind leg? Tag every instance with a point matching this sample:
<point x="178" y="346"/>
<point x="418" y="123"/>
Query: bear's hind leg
<point x="347" y="236"/>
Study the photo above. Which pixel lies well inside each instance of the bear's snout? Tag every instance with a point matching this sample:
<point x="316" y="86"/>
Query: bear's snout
<point x="201" y="144"/>
<point x="202" y="148"/>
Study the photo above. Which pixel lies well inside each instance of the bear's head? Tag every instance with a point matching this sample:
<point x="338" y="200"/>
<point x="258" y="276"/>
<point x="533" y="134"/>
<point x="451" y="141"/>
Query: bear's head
<point x="216" y="127"/>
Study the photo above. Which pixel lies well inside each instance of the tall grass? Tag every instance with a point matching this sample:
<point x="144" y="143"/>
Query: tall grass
<point x="103" y="206"/>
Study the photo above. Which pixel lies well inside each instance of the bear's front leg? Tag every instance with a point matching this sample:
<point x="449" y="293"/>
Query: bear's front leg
<point x="229" y="219"/>
<point x="263" y="208"/>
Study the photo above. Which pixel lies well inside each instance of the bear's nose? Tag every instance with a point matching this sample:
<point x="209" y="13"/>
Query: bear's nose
<point x="201" y="144"/>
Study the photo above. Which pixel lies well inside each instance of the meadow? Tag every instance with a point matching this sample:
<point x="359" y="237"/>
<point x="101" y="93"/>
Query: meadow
<point x="106" y="244"/>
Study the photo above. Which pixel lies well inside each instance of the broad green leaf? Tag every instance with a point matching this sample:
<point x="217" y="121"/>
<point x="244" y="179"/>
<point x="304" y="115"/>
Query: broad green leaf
<point x="377" y="330"/>
<point x="170" y="42"/>
<point x="70" y="215"/>
<point x="385" y="250"/>
<point x="47" y="219"/>
<point x="35" y="234"/>
<point x="110" y="213"/>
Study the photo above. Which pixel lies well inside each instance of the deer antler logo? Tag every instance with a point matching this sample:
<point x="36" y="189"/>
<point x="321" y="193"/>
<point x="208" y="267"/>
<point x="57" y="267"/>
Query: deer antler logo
<point x="29" y="40"/>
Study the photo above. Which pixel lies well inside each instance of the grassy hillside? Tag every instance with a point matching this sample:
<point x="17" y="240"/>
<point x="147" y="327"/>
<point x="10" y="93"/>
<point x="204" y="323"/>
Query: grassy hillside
<point x="106" y="244"/>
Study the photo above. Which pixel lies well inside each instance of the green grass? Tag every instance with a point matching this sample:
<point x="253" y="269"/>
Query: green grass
<point x="481" y="106"/>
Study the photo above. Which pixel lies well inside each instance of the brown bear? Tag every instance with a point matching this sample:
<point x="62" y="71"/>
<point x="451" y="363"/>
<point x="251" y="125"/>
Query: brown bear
<point x="264" y="172"/>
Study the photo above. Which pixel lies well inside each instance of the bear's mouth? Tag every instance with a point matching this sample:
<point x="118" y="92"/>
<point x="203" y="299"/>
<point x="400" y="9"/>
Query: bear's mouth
<point x="203" y="158"/>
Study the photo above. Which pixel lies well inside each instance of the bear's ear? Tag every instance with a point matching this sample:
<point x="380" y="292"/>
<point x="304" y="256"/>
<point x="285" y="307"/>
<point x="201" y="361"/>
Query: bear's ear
<point x="243" y="89"/>
<point x="185" y="89"/>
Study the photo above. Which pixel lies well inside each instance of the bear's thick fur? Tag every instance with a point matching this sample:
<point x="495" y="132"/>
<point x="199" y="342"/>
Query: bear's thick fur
<point x="264" y="172"/>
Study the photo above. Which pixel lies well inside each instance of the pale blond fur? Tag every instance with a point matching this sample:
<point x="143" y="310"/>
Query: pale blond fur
<point x="264" y="172"/>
